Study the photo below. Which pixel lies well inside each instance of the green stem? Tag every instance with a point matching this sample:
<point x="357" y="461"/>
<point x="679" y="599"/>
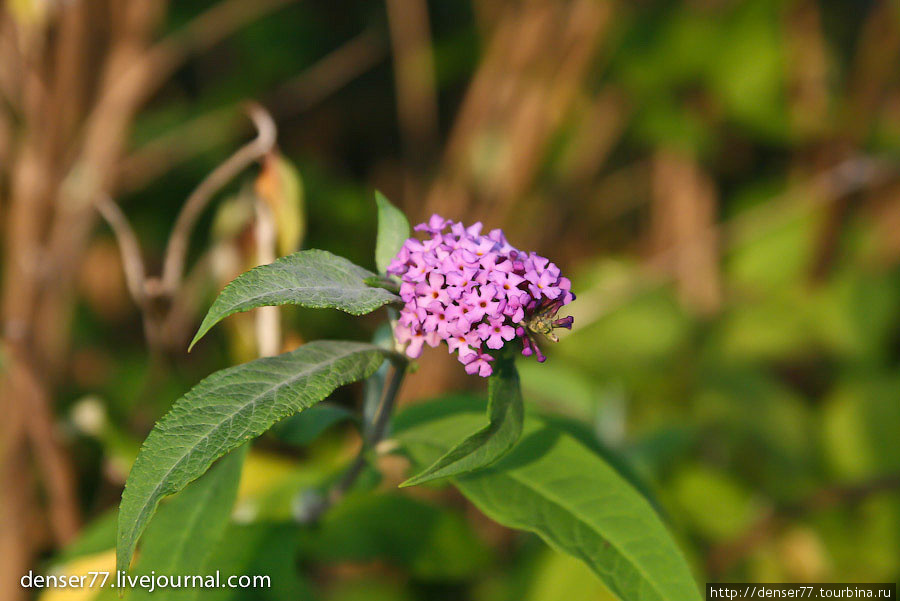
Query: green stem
<point x="383" y="417"/>
<point x="370" y="440"/>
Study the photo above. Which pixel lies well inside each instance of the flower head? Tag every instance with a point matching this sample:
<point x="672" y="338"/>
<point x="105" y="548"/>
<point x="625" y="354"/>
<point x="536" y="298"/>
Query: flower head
<point x="476" y="292"/>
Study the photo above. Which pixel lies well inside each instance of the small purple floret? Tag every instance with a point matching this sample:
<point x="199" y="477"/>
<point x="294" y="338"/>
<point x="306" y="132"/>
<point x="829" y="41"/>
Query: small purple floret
<point x="476" y="292"/>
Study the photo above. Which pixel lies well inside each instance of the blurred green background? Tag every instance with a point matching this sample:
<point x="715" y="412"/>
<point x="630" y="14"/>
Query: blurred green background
<point x="719" y="178"/>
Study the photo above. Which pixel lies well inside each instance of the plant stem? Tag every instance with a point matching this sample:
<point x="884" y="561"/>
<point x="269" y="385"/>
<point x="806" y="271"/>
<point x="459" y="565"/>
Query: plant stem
<point x="383" y="417"/>
<point x="371" y="438"/>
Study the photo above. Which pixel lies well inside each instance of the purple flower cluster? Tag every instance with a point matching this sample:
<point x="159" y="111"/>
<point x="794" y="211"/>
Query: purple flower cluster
<point x="476" y="292"/>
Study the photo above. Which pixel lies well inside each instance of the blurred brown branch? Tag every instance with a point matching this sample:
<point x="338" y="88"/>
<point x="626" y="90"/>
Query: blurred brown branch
<point x="156" y="296"/>
<point x="52" y="459"/>
<point x="176" y="250"/>
<point x="145" y="72"/>
<point x="172" y="148"/>
<point x="69" y="92"/>
<point x="683" y="222"/>
<point x="190" y="138"/>
<point x="417" y="108"/>
<point x="332" y="72"/>
<point x="534" y="66"/>
<point x="129" y="247"/>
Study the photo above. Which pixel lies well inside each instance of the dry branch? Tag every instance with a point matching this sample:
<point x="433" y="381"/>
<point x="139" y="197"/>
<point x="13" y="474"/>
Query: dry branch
<point x="176" y="250"/>
<point x="129" y="247"/>
<point x="316" y="83"/>
<point x="414" y="78"/>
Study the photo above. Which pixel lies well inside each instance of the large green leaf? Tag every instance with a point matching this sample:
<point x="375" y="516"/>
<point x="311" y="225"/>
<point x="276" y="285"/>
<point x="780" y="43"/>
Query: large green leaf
<point x="185" y="531"/>
<point x="432" y="542"/>
<point x="393" y="230"/>
<point x="259" y="549"/>
<point x="554" y="486"/>
<point x="584" y="434"/>
<point x="309" y="278"/>
<point x="495" y="439"/>
<point x="225" y="410"/>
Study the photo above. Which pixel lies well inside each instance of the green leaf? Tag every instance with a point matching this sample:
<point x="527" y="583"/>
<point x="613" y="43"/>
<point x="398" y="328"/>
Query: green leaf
<point x="309" y="278"/>
<point x="561" y="577"/>
<point x="185" y="531"/>
<point x="261" y="548"/>
<point x="432" y="542"/>
<point x="393" y="230"/>
<point x="554" y="486"/>
<point x="584" y="434"/>
<point x="494" y="440"/>
<point x="225" y="410"/>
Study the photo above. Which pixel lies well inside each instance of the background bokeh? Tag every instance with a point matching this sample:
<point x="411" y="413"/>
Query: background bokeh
<point x="719" y="178"/>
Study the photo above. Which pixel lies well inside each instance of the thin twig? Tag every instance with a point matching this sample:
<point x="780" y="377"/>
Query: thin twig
<point x="157" y="64"/>
<point x="173" y="147"/>
<point x="54" y="463"/>
<point x="146" y="290"/>
<point x="312" y="86"/>
<point x="129" y="247"/>
<point x="207" y="29"/>
<point x="383" y="417"/>
<point x="176" y="250"/>
<point x="370" y="441"/>
<point x="190" y="298"/>
<point x="371" y="438"/>
<point x="332" y="72"/>
<point x="414" y="76"/>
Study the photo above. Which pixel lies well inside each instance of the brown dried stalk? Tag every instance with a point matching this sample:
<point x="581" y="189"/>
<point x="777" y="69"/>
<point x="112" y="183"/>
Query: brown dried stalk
<point x="417" y="108"/>
<point x="129" y="247"/>
<point x="313" y="85"/>
<point x="176" y="250"/>
<point x="156" y="297"/>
